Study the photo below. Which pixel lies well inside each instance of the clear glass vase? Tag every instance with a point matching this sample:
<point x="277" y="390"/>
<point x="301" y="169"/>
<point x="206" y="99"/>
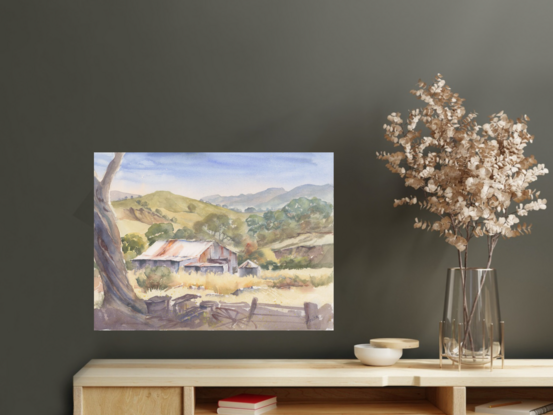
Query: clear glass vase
<point x="471" y="331"/>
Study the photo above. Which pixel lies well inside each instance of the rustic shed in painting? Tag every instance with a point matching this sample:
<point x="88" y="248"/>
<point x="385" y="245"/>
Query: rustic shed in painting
<point x="249" y="268"/>
<point x="202" y="256"/>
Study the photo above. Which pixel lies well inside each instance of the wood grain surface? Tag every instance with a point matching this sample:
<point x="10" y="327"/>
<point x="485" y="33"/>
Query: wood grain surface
<point x="133" y="401"/>
<point x="450" y="400"/>
<point x="308" y="373"/>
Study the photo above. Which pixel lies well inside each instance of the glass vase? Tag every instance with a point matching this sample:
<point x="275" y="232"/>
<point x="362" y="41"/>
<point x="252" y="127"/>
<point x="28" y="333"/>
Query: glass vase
<point x="471" y="332"/>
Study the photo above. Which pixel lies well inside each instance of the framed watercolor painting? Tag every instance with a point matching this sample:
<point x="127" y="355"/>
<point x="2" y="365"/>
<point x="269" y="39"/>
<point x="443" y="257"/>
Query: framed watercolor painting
<point x="213" y="241"/>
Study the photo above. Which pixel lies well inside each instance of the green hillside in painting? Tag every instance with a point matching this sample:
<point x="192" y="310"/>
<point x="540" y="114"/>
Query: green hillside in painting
<point x="177" y="206"/>
<point x="267" y="237"/>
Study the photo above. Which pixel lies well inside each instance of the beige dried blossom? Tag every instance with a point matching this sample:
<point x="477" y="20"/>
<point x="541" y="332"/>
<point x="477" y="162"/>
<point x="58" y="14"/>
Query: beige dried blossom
<point x="475" y="178"/>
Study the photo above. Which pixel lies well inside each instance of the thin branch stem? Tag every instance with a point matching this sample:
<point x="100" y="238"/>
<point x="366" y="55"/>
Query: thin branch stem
<point x="112" y="169"/>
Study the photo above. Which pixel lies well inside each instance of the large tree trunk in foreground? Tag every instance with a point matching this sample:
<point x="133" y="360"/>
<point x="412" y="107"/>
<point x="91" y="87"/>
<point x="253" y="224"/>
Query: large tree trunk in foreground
<point x="118" y="292"/>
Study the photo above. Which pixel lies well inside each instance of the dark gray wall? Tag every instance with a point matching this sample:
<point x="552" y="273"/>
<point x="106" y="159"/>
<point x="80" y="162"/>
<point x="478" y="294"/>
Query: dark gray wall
<point x="79" y="77"/>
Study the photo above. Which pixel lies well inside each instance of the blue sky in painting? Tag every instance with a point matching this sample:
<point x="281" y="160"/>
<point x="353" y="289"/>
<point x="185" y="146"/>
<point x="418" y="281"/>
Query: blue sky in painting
<point x="202" y="174"/>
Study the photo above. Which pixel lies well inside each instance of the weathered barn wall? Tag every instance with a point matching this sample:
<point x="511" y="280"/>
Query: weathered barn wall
<point x="204" y="269"/>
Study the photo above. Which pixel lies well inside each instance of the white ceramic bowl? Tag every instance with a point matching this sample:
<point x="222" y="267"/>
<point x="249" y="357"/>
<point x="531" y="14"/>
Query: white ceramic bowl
<point x="376" y="356"/>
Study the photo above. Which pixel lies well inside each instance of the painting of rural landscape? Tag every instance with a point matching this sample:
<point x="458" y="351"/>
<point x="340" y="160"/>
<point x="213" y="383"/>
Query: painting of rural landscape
<point x="213" y="241"/>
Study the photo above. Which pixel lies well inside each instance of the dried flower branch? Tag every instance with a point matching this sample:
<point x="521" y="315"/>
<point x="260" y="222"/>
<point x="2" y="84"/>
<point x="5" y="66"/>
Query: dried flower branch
<point x="475" y="178"/>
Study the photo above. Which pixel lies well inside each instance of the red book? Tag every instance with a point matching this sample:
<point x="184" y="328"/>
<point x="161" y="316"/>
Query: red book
<point x="247" y="401"/>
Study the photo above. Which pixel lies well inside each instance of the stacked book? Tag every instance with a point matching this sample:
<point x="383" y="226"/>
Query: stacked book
<point x="515" y="407"/>
<point x="246" y="404"/>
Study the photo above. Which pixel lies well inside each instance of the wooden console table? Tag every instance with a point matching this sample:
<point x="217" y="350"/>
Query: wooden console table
<point x="177" y="387"/>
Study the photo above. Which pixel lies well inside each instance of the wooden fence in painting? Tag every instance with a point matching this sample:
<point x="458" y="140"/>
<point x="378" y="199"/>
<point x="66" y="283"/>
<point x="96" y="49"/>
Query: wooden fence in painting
<point x="189" y="311"/>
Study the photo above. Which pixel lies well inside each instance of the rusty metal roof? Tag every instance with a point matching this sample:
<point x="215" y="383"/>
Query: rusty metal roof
<point x="175" y="250"/>
<point x="249" y="264"/>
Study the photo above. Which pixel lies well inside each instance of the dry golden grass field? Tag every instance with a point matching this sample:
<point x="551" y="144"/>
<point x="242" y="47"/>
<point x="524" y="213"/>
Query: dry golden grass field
<point x="280" y="287"/>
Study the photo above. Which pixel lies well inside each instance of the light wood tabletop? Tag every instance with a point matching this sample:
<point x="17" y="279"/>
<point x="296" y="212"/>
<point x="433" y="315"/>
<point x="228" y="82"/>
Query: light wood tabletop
<point x="308" y="373"/>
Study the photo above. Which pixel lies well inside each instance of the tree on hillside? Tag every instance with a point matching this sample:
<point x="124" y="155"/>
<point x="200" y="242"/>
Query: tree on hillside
<point x="272" y="220"/>
<point x="299" y="215"/>
<point x="275" y="220"/>
<point x="159" y="232"/>
<point x="133" y="242"/>
<point x="303" y="208"/>
<point x="133" y="245"/>
<point x="221" y="228"/>
<point x="255" y="223"/>
<point x="184" y="233"/>
<point x="192" y="207"/>
<point x="297" y="209"/>
<point x="108" y="254"/>
<point x="159" y="212"/>
<point x="320" y="209"/>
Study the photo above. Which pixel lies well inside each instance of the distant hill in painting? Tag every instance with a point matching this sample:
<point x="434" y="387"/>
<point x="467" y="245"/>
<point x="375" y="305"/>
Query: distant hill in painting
<point x="245" y="201"/>
<point x="323" y="192"/>
<point x="273" y="198"/>
<point x="116" y="195"/>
